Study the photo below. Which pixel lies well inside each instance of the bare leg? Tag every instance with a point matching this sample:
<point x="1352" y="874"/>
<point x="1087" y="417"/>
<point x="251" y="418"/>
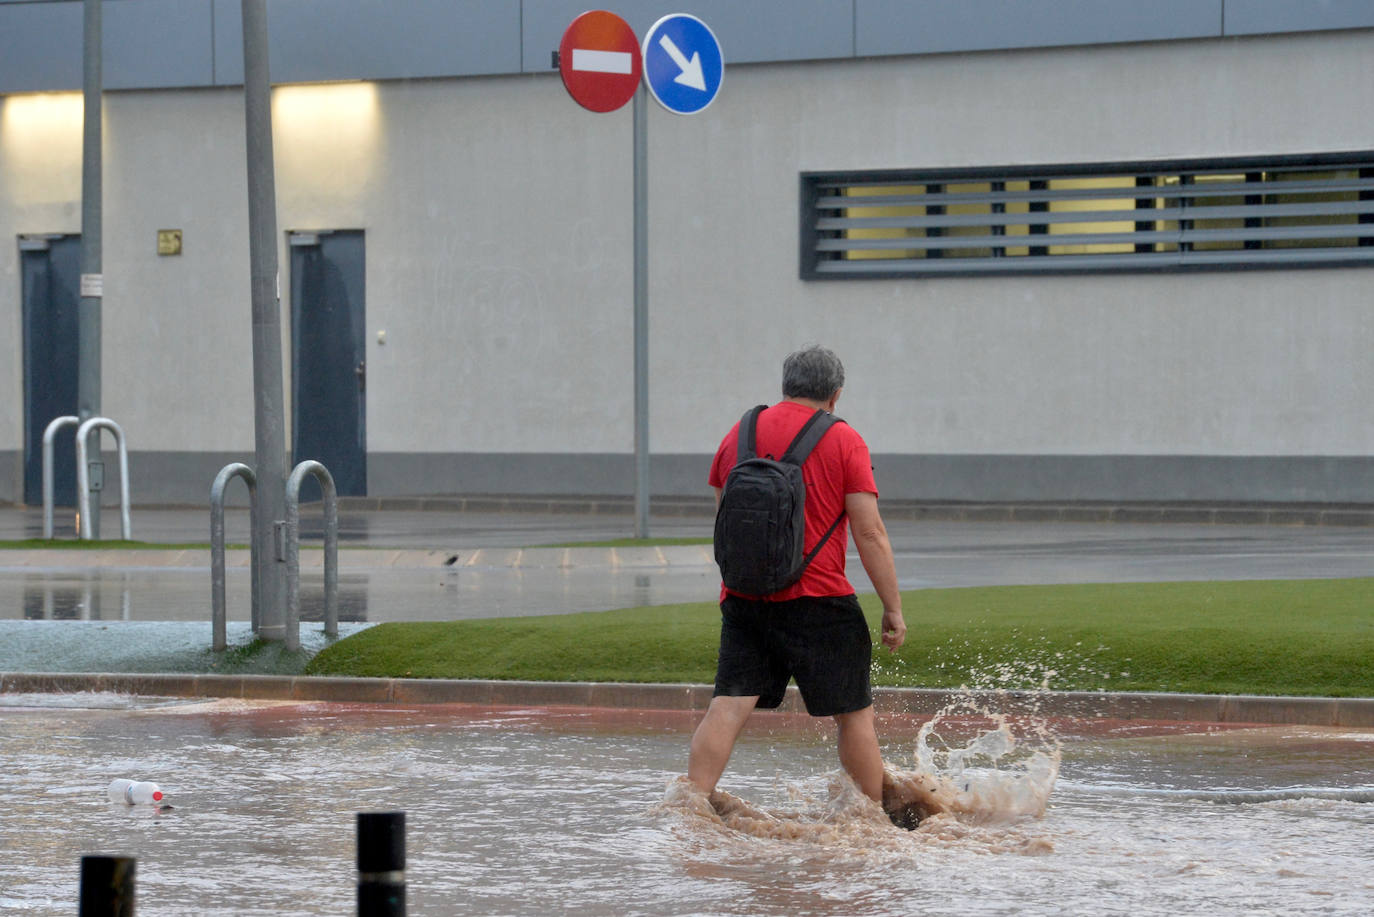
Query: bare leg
<point x="715" y="739"/>
<point x="859" y="752"/>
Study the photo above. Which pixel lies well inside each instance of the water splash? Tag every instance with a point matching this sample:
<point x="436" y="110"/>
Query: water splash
<point x="1001" y="775"/>
<point x="977" y="761"/>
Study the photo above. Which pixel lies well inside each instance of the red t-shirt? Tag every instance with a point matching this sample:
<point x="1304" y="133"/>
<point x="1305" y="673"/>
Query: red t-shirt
<point x="839" y="465"/>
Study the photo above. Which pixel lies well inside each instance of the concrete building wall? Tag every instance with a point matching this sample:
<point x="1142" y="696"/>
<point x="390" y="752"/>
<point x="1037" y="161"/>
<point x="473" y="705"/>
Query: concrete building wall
<point x="177" y="331"/>
<point x="497" y="217"/>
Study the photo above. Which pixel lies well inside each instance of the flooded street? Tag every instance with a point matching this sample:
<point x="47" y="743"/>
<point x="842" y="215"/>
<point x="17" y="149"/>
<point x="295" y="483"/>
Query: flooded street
<point x="575" y="811"/>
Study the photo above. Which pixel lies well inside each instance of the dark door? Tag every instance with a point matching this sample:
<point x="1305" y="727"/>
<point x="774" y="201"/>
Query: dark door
<point x="51" y="275"/>
<point x="329" y="376"/>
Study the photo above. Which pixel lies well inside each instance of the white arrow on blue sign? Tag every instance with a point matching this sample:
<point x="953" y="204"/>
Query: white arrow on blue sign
<point x="683" y="66"/>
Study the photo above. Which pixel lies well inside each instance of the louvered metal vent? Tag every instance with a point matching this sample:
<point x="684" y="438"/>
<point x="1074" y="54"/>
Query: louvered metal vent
<point x="1310" y="211"/>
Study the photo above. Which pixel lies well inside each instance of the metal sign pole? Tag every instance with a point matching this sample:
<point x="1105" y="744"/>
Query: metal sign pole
<point x="641" y="322"/>
<point x="269" y="420"/>
<point x="92" y="282"/>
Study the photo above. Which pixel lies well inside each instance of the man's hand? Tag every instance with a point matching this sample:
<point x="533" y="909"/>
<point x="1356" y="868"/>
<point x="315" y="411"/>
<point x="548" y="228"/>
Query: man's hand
<point x="894" y="629"/>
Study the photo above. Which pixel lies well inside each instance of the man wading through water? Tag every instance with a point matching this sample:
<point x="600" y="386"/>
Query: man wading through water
<point x="813" y="629"/>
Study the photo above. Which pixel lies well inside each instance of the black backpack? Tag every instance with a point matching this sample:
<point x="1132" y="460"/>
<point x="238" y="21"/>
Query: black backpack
<point x="761" y="520"/>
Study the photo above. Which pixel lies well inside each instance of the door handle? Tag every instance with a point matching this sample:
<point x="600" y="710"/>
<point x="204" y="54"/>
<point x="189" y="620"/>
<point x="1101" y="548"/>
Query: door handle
<point x="361" y="372"/>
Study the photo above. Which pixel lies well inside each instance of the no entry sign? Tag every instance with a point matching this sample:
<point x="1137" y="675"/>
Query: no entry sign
<point x="599" y="61"/>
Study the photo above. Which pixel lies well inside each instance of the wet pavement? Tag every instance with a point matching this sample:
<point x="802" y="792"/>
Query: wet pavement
<point x="435" y="565"/>
<point x="429" y="565"/>
<point x="424" y="529"/>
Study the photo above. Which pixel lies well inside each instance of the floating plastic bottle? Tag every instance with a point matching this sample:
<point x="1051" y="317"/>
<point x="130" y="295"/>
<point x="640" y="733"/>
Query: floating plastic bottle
<point x="134" y="792"/>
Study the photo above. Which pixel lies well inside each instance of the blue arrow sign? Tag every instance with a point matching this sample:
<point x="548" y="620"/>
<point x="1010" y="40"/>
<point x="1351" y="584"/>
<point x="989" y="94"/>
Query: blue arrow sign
<point x="683" y="66"/>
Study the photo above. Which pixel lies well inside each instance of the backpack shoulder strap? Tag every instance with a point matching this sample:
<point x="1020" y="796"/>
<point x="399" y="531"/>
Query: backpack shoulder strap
<point x="748" y="434"/>
<point x="809" y="435"/>
<point x="807" y="438"/>
<point x="811" y="555"/>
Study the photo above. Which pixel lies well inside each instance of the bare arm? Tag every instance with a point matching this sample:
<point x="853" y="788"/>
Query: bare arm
<point x="875" y="551"/>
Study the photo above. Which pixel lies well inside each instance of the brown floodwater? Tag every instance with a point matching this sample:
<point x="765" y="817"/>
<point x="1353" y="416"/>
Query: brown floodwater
<point x="575" y="811"/>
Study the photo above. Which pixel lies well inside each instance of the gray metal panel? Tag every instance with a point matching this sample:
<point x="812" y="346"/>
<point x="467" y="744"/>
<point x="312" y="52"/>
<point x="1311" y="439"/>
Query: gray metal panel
<point x="779" y="30"/>
<point x="753" y="32"/>
<point x="227" y="32"/>
<point x="156" y="44"/>
<point x="374" y="39"/>
<point x="932" y="26"/>
<point x="40" y="47"/>
<point x="1253" y="17"/>
<point x="162" y="43"/>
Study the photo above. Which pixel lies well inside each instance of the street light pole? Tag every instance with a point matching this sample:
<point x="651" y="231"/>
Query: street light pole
<point x="88" y="332"/>
<point x="269" y="419"/>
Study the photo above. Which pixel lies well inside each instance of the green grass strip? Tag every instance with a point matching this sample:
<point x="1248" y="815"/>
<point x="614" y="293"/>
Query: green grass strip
<point x="1273" y="637"/>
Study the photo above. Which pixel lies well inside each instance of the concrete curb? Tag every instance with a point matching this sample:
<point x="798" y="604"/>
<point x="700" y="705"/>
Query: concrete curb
<point x="1355" y="713"/>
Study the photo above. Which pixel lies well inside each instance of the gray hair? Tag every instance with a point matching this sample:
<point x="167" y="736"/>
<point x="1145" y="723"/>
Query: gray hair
<point x="812" y="372"/>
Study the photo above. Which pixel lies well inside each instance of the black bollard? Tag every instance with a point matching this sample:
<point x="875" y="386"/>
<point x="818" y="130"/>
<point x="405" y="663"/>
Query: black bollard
<point x="107" y="886"/>
<point x="381" y="864"/>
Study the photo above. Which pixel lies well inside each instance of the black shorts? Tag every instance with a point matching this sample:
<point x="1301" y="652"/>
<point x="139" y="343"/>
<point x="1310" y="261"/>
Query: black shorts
<point x="822" y="642"/>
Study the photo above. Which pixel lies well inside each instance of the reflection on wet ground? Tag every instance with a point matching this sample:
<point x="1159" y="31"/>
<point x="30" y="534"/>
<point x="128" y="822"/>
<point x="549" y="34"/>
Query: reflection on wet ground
<point x="158" y="595"/>
<point x="404" y="594"/>
<point x="536" y="812"/>
<point x="379" y="528"/>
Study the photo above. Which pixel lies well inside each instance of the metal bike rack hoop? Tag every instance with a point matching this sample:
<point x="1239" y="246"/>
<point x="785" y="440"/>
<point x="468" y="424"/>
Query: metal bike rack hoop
<point x="293" y="551"/>
<point x="83" y="476"/>
<point x="67" y="420"/>
<point x="217" y="604"/>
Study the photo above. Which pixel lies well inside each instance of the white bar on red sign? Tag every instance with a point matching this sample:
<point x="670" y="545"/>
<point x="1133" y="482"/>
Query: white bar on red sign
<point x="602" y="61"/>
